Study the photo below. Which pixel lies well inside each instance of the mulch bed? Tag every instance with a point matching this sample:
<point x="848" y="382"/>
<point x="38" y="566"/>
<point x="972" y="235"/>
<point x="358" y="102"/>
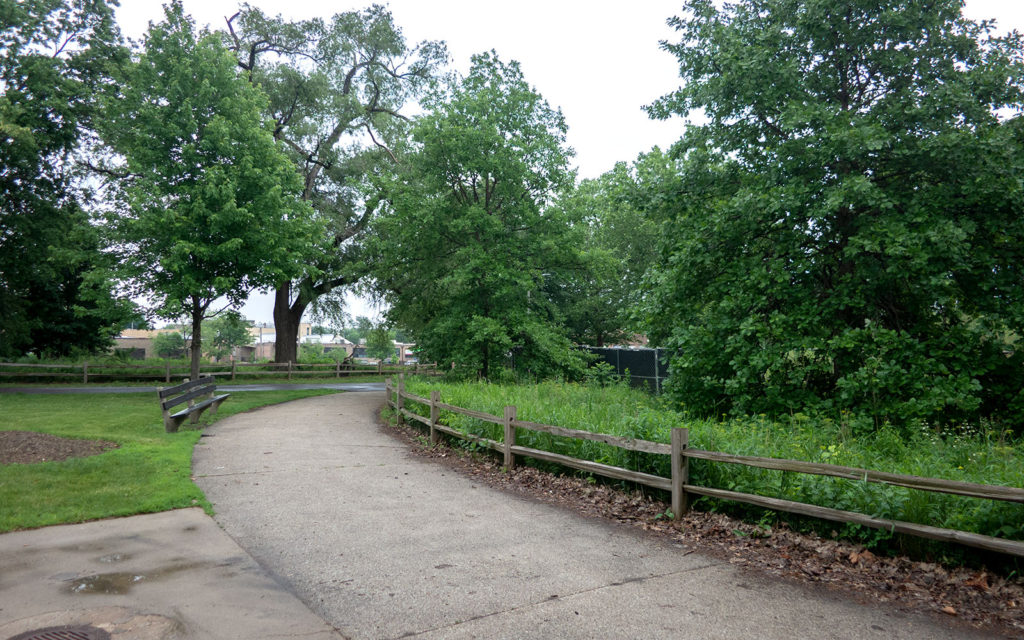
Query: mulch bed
<point x="26" y="447"/>
<point x="977" y="598"/>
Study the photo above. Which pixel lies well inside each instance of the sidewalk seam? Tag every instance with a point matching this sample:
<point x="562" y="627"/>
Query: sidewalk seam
<point x="620" y="583"/>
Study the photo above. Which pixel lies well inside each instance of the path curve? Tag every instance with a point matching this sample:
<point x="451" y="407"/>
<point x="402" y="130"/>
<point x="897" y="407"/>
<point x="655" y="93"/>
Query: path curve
<point x="382" y="544"/>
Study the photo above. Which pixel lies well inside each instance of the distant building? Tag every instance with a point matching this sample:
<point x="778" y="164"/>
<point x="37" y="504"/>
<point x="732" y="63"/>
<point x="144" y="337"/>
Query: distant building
<point x="140" y="341"/>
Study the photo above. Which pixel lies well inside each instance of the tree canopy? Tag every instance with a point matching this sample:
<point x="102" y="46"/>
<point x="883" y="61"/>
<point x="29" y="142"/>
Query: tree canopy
<point x="464" y="254"/>
<point x="336" y="90"/>
<point x="211" y="205"/>
<point x="617" y="244"/>
<point x="54" y="57"/>
<point x="844" y="231"/>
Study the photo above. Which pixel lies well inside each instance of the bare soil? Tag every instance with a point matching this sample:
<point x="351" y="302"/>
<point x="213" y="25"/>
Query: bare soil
<point x="27" y="447"/>
<point x="974" y="597"/>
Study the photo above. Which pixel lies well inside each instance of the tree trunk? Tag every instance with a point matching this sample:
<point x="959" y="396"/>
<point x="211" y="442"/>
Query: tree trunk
<point x="197" y="338"/>
<point x="286" y="324"/>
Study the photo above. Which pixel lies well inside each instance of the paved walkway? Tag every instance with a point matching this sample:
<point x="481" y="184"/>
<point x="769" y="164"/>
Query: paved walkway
<point x="385" y="545"/>
<point x="163" y="576"/>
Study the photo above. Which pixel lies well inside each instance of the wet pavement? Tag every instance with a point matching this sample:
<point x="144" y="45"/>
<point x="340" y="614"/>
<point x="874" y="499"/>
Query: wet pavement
<point x="167" y="575"/>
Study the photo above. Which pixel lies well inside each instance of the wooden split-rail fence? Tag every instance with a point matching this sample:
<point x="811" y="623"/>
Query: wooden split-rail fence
<point x="680" y="453"/>
<point x="104" y="372"/>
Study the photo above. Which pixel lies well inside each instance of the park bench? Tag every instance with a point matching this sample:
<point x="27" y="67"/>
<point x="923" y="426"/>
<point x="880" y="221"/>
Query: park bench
<point x="188" y="392"/>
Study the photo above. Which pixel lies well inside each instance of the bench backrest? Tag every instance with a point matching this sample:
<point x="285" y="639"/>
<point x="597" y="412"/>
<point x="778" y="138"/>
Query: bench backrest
<point x="188" y="390"/>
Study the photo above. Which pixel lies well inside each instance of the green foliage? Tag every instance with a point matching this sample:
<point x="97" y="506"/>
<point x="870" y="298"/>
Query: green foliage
<point x="314" y="353"/>
<point x="224" y="332"/>
<point x="968" y="453"/>
<point x="169" y="344"/>
<point x="844" y="233"/>
<point x="210" y="204"/>
<point x="463" y="258"/>
<point x="601" y="374"/>
<point x="150" y="472"/>
<point x="54" y="296"/>
<point x="599" y="300"/>
<point x="359" y="330"/>
<point x="379" y="344"/>
<point x="336" y="90"/>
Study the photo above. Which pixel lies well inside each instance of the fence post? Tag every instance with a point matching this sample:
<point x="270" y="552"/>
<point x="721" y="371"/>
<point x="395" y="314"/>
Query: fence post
<point x="337" y="369"/>
<point x="510" y="436"/>
<point x="167" y="373"/>
<point x="680" y="471"/>
<point x="387" y="390"/>
<point x="401" y="390"/>
<point x="289" y="369"/>
<point x="85" y="372"/>
<point x="232" y="371"/>
<point x="435" y="413"/>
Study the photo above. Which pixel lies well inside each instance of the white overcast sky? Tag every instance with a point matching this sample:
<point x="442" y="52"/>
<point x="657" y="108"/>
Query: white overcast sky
<point x="599" y="60"/>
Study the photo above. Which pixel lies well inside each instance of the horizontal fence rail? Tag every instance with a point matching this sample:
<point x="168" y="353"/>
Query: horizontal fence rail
<point x="680" y="454"/>
<point x="94" y="372"/>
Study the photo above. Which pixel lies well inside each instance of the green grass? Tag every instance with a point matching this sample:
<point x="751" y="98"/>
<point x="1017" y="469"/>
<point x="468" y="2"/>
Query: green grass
<point x="150" y="472"/>
<point x="968" y="454"/>
<point x="221" y="380"/>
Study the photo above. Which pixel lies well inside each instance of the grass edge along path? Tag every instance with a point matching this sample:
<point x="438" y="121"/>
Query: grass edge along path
<point x="967" y="455"/>
<point x="150" y="471"/>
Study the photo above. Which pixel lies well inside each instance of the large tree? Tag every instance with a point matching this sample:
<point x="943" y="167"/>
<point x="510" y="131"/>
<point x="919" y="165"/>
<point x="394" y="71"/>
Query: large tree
<point x="336" y="92"/>
<point x="600" y="299"/>
<point x="845" y="231"/>
<point x="54" y="56"/>
<point x="211" y="204"/>
<point x="464" y="254"/>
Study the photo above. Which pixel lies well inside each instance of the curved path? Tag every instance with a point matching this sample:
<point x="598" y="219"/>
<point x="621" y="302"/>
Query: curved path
<point x="385" y="545"/>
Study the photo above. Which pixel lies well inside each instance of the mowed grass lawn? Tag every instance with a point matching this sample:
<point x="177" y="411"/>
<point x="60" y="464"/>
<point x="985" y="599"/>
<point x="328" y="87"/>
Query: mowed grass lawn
<point x="149" y="472"/>
<point x="221" y="380"/>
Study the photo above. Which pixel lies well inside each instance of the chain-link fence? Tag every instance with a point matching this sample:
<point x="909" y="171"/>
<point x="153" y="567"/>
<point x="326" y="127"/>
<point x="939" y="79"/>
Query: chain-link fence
<point x="645" y="367"/>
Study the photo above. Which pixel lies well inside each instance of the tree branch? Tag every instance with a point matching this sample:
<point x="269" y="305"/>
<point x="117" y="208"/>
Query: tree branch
<point x="379" y="144"/>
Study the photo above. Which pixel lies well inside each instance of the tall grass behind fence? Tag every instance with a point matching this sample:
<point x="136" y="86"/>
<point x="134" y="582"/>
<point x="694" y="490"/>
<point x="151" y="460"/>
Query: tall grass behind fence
<point x="967" y="456"/>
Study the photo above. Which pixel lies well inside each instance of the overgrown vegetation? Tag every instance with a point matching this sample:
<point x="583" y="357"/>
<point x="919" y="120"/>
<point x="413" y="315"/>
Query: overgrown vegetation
<point x="967" y="453"/>
<point x="149" y="472"/>
<point x="842" y="230"/>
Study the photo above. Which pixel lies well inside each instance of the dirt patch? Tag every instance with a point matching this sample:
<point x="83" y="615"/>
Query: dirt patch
<point x="977" y="598"/>
<point x="26" y="447"/>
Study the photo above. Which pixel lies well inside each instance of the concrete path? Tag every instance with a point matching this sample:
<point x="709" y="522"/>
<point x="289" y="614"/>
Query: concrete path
<point x="385" y="545"/>
<point x="154" y="577"/>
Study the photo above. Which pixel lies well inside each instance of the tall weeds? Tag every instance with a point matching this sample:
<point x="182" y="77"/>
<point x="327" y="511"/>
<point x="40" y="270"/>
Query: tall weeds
<point x="968" y="453"/>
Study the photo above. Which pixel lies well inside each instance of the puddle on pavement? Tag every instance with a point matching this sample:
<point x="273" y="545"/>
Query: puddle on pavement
<point x="108" y="583"/>
<point x="121" y="583"/>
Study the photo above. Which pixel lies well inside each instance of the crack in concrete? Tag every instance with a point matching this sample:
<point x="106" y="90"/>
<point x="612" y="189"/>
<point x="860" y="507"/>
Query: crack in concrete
<point x="299" y="469"/>
<point x="637" y="580"/>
